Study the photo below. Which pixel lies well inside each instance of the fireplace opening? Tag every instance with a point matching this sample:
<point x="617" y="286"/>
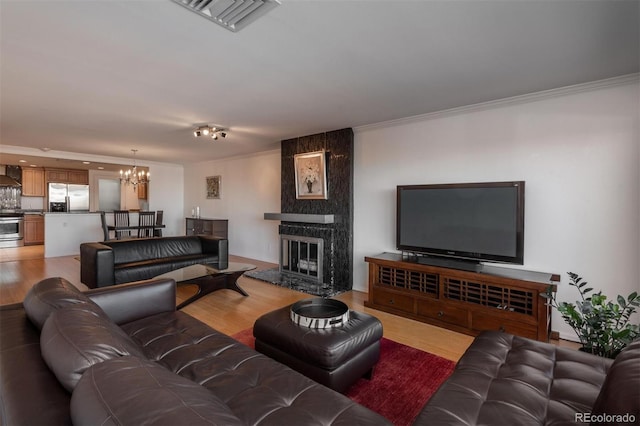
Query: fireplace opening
<point x="301" y="256"/>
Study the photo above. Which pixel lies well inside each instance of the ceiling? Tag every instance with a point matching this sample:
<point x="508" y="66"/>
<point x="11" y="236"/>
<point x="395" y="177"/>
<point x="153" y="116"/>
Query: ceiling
<point x="105" y="77"/>
<point x="55" y="162"/>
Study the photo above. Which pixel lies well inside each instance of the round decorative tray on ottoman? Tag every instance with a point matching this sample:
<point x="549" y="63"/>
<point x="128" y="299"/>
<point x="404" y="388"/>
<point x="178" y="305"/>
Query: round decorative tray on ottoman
<point x="320" y="313"/>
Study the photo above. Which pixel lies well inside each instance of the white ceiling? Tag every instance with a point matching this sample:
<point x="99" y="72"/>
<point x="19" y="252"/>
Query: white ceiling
<point x="103" y="77"/>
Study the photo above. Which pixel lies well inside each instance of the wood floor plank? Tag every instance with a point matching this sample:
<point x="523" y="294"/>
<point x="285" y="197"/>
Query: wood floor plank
<point x="227" y="310"/>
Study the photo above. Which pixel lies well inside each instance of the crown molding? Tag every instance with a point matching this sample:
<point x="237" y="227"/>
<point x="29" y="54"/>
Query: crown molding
<point x="514" y="100"/>
<point x="94" y="158"/>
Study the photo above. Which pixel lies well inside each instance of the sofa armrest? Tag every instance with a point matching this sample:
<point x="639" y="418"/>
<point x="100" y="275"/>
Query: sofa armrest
<point x="128" y="302"/>
<point x="216" y="245"/>
<point x="96" y="265"/>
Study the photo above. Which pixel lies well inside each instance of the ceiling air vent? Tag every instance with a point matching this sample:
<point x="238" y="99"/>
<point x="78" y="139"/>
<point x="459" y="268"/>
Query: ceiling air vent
<point x="234" y="15"/>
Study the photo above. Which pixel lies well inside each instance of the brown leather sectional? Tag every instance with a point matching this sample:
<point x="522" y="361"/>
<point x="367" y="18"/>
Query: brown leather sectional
<point x="509" y="380"/>
<point x="124" y="355"/>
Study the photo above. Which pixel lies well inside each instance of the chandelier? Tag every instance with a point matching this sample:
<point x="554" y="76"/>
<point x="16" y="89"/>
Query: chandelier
<point x="212" y="132"/>
<point x="133" y="176"/>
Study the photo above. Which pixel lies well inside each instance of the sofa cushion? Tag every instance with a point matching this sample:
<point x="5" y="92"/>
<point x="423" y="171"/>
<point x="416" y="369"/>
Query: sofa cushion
<point x="508" y="379"/>
<point x="49" y="295"/>
<point x="30" y="394"/>
<point x="76" y="337"/>
<point x="620" y="394"/>
<point x="128" y="251"/>
<point x="135" y="391"/>
<point x="257" y="389"/>
<point x="144" y="270"/>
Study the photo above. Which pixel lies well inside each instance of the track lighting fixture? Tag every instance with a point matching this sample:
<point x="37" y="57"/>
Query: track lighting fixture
<point x="212" y="131"/>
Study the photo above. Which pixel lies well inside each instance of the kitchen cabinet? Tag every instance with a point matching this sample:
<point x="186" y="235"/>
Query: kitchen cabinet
<point x="80" y="177"/>
<point x="142" y="191"/>
<point x="33" y="229"/>
<point x="33" y="182"/>
<point x="57" y="175"/>
<point x="75" y="176"/>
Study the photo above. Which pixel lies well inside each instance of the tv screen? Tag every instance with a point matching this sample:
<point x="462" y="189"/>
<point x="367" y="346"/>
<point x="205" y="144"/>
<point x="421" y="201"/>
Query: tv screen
<point x="475" y="221"/>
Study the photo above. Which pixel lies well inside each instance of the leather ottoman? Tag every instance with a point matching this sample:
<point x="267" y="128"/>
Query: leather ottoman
<point x="335" y="357"/>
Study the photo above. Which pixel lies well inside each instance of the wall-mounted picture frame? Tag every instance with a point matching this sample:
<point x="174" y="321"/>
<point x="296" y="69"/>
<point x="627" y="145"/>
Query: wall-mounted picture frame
<point x="311" y="175"/>
<point x="214" y="187"/>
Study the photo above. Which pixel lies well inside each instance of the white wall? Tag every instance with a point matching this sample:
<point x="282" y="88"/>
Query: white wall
<point x="165" y="192"/>
<point x="578" y="153"/>
<point x="250" y="187"/>
<point x="578" y="150"/>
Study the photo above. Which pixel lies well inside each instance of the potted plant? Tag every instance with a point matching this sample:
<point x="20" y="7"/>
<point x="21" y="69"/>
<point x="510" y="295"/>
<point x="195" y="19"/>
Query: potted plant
<point x="603" y="327"/>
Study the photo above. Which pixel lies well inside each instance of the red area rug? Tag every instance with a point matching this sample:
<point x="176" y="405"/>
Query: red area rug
<point x="403" y="381"/>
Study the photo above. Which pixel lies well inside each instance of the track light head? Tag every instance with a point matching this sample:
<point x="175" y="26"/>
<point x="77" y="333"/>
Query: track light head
<point x="212" y="131"/>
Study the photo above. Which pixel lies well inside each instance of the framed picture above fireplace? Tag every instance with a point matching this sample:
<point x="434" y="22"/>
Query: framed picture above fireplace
<point x="311" y="175"/>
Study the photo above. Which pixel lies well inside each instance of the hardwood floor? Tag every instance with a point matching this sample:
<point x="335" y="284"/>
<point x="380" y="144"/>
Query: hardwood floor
<point x="226" y="310"/>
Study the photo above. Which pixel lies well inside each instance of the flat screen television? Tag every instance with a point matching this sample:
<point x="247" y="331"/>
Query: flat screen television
<point x="472" y="222"/>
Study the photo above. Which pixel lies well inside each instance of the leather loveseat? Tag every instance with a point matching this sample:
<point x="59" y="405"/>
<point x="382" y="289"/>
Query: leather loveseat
<point x="124" y="261"/>
<point x="123" y="355"/>
<point x="508" y="380"/>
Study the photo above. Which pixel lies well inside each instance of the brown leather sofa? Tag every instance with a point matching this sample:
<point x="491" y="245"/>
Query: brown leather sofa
<point x="123" y="355"/>
<point x="124" y="261"/>
<point x="508" y="380"/>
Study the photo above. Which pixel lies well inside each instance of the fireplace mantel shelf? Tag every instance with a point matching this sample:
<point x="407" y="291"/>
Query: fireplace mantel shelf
<point x="301" y="217"/>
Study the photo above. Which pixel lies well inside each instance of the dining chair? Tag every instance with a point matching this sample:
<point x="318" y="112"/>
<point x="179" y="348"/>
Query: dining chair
<point x="159" y="217"/>
<point x="121" y="218"/>
<point x="146" y="219"/>
<point x="105" y="230"/>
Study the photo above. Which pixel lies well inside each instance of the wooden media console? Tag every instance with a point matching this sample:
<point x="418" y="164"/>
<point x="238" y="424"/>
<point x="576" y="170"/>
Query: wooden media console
<point x="489" y="298"/>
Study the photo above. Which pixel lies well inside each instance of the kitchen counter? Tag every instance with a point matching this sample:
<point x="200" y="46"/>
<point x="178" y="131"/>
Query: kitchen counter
<point x="65" y="231"/>
<point x="37" y="211"/>
<point x="73" y="212"/>
<point x="24" y="211"/>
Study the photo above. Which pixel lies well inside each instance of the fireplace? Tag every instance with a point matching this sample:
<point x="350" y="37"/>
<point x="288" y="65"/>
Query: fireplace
<point x="311" y="257"/>
<point x="316" y="235"/>
<point x="302" y="256"/>
<point x="308" y="251"/>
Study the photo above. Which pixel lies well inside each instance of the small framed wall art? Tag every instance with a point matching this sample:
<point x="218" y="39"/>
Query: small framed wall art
<point x="311" y="175"/>
<point x="214" y="186"/>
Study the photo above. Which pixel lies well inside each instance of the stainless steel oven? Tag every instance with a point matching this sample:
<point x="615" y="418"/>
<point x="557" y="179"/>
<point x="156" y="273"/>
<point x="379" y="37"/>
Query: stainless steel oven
<point x="11" y="229"/>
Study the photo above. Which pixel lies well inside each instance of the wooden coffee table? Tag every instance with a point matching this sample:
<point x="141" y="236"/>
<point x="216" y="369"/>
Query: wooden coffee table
<point x="209" y="278"/>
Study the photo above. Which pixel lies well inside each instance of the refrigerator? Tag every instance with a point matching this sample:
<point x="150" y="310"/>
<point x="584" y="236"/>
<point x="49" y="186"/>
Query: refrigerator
<point x="70" y="197"/>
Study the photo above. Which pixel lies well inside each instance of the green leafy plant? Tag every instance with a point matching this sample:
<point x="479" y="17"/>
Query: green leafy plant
<point x="603" y="327"/>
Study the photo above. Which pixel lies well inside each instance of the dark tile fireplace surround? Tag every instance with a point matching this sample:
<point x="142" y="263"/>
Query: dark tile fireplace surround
<point x="329" y="220"/>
